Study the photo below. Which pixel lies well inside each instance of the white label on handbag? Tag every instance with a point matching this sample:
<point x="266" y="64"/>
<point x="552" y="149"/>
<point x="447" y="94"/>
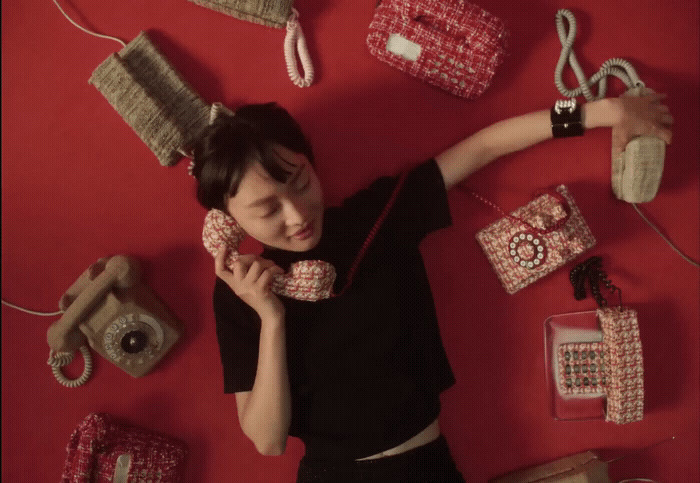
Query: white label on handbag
<point x="121" y="469"/>
<point x="399" y="45"/>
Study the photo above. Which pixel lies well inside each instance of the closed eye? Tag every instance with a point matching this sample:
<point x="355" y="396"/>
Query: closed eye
<point x="271" y="211"/>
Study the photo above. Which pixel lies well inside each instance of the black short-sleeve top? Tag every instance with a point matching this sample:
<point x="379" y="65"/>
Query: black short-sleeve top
<point x="366" y="368"/>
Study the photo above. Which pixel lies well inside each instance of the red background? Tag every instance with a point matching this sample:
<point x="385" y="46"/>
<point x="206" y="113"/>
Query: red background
<point x="78" y="184"/>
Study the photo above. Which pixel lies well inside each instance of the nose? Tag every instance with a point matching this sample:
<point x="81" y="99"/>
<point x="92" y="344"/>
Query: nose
<point x="296" y="213"/>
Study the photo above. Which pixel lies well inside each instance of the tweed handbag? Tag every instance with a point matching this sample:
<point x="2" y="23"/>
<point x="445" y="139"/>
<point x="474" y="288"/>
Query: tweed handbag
<point x="451" y="44"/>
<point x="153" y="99"/>
<point x="103" y="450"/>
<point x="535" y="239"/>
<point x="277" y="14"/>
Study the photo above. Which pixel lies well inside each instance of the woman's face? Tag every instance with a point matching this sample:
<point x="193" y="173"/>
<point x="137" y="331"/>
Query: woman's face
<point x="281" y="215"/>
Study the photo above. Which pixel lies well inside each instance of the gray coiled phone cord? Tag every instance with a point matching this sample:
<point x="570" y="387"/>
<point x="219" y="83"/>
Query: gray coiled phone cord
<point x="60" y="359"/>
<point x="617" y="67"/>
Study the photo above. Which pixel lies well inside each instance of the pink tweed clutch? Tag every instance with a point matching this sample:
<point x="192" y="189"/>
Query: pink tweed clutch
<point x="103" y="450"/>
<point x="535" y="239"/>
<point x="309" y="280"/>
<point x="451" y="44"/>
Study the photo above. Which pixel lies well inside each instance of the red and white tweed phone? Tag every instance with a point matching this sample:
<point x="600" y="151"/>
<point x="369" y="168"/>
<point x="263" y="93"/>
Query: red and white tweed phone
<point x="535" y="239"/>
<point x="601" y="365"/>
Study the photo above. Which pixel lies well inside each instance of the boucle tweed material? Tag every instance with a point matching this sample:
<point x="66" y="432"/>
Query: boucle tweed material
<point x="97" y="449"/>
<point x="152" y="98"/>
<point x="452" y="44"/>
<point x="272" y="13"/>
<point x="623" y="349"/>
<point x="519" y="269"/>
<point x="309" y="280"/>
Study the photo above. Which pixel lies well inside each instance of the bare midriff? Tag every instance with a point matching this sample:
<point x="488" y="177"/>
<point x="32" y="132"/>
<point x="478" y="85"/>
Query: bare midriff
<point x="429" y="434"/>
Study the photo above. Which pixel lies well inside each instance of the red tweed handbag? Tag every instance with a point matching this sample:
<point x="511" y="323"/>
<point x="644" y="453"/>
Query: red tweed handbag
<point x="103" y="450"/>
<point x="451" y="44"/>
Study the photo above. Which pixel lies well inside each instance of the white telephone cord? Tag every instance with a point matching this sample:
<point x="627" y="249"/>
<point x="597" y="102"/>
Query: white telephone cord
<point x="617" y="67"/>
<point x="60" y="359"/>
<point x="295" y="42"/>
<point x="102" y="36"/>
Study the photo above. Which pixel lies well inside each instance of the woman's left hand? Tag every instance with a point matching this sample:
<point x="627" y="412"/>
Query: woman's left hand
<point x="639" y="116"/>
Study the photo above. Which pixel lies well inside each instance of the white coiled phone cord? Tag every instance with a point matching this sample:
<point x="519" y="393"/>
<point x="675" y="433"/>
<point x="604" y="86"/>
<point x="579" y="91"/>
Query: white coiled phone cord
<point x="295" y="42"/>
<point x="60" y="359"/>
<point x="617" y="67"/>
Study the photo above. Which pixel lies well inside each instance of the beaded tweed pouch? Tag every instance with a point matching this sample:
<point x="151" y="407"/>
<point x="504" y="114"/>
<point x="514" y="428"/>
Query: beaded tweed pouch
<point x="152" y="98"/>
<point x="535" y="239"/>
<point x="102" y="449"/>
<point x="451" y="44"/>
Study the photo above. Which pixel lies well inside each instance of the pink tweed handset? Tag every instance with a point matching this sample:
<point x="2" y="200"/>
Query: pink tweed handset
<point x="309" y="280"/>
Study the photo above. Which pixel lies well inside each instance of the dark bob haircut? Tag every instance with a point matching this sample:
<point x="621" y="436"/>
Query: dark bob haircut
<point x="231" y="144"/>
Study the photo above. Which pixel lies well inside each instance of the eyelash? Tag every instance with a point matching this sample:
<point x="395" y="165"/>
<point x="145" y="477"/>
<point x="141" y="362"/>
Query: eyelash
<point x="271" y="212"/>
<point x="274" y="210"/>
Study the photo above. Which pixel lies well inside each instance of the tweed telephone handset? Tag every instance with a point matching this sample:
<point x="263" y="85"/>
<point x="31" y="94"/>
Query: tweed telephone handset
<point x="636" y="172"/>
<point x="309" y="280"/>
<point x="120" y="317"/>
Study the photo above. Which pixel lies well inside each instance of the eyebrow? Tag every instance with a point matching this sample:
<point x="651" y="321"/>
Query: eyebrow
<point x="271" y="198"/>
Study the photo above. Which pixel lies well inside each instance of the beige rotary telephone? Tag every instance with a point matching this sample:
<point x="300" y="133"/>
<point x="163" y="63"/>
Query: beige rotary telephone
<point x="636" y="172"/>
<point x="119" y="316"/>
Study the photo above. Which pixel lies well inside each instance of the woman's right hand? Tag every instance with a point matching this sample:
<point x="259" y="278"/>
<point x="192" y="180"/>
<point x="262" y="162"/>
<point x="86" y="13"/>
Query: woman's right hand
<point x="251" y="279"/>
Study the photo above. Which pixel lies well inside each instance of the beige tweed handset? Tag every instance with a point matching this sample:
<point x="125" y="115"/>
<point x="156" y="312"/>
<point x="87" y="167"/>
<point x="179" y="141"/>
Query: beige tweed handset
<point x="636" y="172"/>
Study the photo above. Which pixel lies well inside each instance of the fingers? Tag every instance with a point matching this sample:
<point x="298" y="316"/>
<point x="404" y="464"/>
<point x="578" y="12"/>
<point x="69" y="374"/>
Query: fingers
<point x="658" y="96"/>
<point x="245" y="271"/>
<point x="665" y="134"/>
<point x="219" y="262"/>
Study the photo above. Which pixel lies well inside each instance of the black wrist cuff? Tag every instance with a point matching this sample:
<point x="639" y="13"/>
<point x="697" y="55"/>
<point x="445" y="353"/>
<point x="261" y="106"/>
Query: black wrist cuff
<point x="566" y="119"/>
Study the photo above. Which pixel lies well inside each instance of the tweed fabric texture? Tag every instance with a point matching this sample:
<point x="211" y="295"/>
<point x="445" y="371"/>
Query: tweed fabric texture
<point x="309" y="280"/>
<point x="457" y="45"/>
<point x="99" y="440"/>
<point x="636" y="172"/>
<point x="516" y="262"/>
<point x="271" y="13"/>
<point x="152" y="98"/>
<point x="623" y="349"/>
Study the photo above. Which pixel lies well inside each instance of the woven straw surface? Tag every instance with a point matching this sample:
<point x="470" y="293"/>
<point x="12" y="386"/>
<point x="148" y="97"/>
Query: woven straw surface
<point x="152" y="98"/>
<point x="272" y="13"/>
